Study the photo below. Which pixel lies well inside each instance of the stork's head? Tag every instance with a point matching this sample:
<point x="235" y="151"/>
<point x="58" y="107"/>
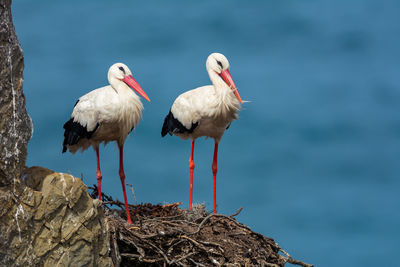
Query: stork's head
<point x="119" y="72"/>
<point x="218" y="63"/>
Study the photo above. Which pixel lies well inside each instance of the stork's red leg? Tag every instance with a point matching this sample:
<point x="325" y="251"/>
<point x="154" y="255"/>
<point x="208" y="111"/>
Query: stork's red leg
<point x="122" y="176"/>
<point x="98" y="172"/>
<point x="191" y="167"/>
<point x="214" y="170"/>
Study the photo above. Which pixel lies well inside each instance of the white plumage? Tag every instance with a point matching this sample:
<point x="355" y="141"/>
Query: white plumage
<point x="213" y="108"/>
<point x="114" y="110"/>
<point x="106" y="114"/>
<point x="205" y="111"/>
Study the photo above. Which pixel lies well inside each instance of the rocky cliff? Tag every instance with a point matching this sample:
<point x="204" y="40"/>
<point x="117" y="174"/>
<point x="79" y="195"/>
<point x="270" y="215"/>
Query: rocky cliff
<point x="15" y="123"/>
<point x="46" y="218"/>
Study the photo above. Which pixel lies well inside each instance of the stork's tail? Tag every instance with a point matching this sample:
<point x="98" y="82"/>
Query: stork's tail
<point x="74" y="132"/>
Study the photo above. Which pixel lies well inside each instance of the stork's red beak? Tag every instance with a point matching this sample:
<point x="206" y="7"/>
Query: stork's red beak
<point x="128" y="79"/>
<point x="228" y="79"/>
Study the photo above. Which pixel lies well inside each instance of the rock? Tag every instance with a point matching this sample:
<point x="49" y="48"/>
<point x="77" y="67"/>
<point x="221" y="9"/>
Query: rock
<point x="50" y="220"/>
<point x="15" y="123"/>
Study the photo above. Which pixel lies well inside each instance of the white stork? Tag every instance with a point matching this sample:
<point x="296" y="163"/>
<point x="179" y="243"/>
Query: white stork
<point x="205" y="111"/>
<point x="106" y="114"/>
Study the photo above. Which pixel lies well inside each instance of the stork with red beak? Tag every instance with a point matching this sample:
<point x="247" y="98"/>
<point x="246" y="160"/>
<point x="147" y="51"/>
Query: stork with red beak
<point x="106" y="114"/>
<point x="205" y="111"/>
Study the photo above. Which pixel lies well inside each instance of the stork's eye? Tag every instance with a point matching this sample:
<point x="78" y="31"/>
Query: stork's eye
<point x="220" y="64"/>
<point x="122" y="69"/>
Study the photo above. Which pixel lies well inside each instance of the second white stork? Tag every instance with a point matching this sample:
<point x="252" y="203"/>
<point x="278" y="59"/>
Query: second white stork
<point x="106" y="114"/>
<point x="205" y="111"/>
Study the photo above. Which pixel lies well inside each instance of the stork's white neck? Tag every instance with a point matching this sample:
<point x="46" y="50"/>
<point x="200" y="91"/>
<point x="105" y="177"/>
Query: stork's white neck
<point x="217" y="81"/>
<point x="226" y="98"/>
<point x="118" y="85"/>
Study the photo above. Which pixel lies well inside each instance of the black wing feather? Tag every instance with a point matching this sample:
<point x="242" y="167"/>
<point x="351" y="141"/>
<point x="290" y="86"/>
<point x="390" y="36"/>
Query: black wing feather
<point x="74" y="132"/>
<point x="172" y="125"/>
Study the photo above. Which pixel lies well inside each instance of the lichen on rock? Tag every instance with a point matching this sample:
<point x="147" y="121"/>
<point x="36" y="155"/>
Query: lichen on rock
<point x="15" y="123"/>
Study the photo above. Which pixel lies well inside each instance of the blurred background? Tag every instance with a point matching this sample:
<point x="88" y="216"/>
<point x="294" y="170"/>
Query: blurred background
<point x="313" y="159"/>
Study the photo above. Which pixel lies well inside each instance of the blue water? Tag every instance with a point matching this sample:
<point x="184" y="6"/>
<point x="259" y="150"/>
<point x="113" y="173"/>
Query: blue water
<point x="314" y="157"/>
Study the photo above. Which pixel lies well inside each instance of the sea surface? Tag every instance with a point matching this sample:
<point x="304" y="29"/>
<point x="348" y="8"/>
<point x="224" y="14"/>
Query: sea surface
<point x="314" y="159"/>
